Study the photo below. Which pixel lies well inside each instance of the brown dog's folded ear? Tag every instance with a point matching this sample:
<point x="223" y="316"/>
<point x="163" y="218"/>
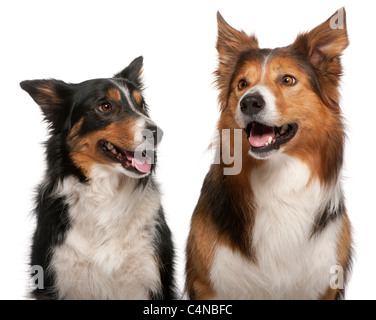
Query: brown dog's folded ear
<point x="325" y="43"/>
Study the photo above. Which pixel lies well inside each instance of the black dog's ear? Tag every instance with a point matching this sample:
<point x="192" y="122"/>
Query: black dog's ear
<point x="53" y="97"/>
<point x="133" y="72"/>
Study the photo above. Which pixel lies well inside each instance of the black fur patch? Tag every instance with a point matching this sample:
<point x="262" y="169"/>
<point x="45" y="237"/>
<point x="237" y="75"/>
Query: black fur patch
<point x="326" y="217"/>
<point x="165" y="254"/>
<point x="228" y="212"/>
<point x="52" y="224"/>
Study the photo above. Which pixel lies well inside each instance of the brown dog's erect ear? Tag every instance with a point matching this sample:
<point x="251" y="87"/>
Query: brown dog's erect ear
<point x="323" y="47"/>
<point x="230" y="44"/>
<point x="53" y="97"/>
<point x="230" y="40"/>
<point x="325" y="43"/>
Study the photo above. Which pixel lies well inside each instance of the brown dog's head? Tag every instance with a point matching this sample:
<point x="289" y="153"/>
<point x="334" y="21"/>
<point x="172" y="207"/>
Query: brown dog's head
<point x="286" y="99"/>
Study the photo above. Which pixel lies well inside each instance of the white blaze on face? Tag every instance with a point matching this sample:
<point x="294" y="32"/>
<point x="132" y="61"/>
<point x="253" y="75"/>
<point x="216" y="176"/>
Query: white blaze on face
<point x="138" y="129"/>
<point x="268" y="115"/>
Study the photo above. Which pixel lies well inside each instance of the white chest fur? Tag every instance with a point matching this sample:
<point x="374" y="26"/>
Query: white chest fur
<point x="108" y="250"/>
<point x="290" y="264"/>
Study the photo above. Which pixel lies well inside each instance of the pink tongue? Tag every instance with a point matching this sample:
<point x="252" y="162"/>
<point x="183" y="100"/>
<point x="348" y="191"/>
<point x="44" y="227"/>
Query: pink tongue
<point x="142" y="165"/>
<point x="258" y="139"/>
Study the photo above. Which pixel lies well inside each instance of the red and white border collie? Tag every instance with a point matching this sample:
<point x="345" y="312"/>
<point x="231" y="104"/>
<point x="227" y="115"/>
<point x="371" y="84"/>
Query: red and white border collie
<point x="101" y="231"/>
<point x="279" y="228"/>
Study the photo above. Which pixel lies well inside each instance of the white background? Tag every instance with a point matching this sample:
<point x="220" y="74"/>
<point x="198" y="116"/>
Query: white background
<point x="79" y="40"/>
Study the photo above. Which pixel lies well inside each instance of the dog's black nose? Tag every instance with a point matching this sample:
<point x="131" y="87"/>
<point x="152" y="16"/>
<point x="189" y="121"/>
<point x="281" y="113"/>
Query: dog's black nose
<point x="156" y="132"/>
<point x="252" y="103"/>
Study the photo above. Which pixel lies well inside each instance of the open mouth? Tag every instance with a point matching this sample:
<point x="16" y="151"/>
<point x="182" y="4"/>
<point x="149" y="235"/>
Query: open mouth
<point x="265" y="138"/>
<point x="126" y="158"/>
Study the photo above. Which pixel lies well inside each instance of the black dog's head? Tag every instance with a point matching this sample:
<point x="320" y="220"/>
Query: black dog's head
<point x="101" y="122"/>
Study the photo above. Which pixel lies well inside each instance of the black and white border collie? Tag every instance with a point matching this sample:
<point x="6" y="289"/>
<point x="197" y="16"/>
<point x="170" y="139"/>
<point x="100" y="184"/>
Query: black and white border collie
<point x="101" y="231"/>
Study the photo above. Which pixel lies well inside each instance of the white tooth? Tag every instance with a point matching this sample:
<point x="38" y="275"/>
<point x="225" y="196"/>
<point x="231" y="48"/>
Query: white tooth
<point x="109" y="146"/>
<point x="113" y="151"/>
<point x="284" y="129"/>
<point x="132" y="162"/>
<point x="266" y="144"/>
<point x="270" y="140"/>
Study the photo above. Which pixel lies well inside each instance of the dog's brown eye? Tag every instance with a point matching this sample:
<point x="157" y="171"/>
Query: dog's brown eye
<point x="288" y="81"/>
<point x="242" y="84"/>
<point x="105" y="107"/>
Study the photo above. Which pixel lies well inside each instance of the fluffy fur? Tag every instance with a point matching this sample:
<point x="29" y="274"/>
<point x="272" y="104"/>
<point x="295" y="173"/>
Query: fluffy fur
<point x="101" y="231"/>
<point x="275" y="230"/>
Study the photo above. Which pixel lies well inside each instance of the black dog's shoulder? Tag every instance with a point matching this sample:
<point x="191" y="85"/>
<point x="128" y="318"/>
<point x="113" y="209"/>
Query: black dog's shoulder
<point x="52" y="217"/>
<point x="165" y="253"/>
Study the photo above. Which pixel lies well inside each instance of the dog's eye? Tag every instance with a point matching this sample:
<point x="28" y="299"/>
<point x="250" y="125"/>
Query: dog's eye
<point x="143" y="105"/>
<point x="288" y="81"/>
<point x="105" y="107"/>
<point x="242" y="84"/>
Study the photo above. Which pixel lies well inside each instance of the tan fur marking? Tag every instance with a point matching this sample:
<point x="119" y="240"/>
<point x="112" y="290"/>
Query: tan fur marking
<point x="75" y="130"/>
<point x="343" y="255"/>
<point x="200" y="253"/>
<point x="84" y="150"/>
<point x="330" y="294"/>
<point x="344" y="243"/>
<point x="114" y="94"/>
<point x="137" y="97"/>
<point x="47" y="97"/>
